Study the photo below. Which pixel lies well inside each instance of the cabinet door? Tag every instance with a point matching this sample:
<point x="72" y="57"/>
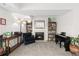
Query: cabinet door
<point x="13" y="42"/>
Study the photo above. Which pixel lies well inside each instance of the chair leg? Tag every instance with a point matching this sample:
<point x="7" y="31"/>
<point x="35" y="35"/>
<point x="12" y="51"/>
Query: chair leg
<point x="60" y="44"/>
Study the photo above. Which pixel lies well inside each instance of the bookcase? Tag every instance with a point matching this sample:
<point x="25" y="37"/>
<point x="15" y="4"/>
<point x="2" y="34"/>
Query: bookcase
<point x="51" y="30"/>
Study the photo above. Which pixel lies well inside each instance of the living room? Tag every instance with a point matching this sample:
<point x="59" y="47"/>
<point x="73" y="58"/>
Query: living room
<point x="36" y="18"/>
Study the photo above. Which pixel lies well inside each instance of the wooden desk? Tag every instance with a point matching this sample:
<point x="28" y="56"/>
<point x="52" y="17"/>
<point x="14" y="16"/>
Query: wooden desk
<point x="74" y="49"/>
<point x="62" y="36"/>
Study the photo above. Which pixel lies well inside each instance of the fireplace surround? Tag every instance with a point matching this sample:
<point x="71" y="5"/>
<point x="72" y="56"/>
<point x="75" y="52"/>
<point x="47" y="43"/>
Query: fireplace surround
<point x="39" y="35"/>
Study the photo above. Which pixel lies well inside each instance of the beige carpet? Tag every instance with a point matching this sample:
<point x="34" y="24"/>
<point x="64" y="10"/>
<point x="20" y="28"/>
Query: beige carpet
<point x="40" y="48"/>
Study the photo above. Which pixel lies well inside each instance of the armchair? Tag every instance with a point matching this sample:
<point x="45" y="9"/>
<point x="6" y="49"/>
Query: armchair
<point x="28" y="38"/>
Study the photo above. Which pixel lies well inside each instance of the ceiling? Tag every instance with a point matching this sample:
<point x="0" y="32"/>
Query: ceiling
<point x="39" y="8"/>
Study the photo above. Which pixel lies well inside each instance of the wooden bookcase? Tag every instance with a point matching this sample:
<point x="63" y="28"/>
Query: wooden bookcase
<point x="51" y="30"/>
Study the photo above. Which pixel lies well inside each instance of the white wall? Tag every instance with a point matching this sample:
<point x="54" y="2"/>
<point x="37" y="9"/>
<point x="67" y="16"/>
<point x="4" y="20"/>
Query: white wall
<point x="69" y="23"/>
<point x="10" y="22"/>
<point x="76" y="21"/>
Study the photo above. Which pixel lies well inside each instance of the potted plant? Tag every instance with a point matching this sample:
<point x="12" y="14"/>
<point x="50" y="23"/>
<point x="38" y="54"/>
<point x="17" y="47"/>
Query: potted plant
<point x="75" y="41"/>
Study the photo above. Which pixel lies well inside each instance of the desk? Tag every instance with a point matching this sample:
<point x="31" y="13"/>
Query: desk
<point x="60" y="38"/>
<point x="64" y="39"/>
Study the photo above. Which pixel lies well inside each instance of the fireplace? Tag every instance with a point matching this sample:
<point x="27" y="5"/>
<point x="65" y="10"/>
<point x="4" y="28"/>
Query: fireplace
<point x="39" y="35"/>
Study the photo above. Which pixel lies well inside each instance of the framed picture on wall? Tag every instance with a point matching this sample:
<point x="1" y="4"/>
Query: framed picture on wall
<point x="2" y="21"/>
<point x="39" y="24"/>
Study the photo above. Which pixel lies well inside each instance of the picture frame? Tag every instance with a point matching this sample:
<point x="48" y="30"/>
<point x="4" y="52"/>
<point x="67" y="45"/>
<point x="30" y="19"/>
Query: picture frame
<point x="2" y="21"/>
<point x="39" y="24"/>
